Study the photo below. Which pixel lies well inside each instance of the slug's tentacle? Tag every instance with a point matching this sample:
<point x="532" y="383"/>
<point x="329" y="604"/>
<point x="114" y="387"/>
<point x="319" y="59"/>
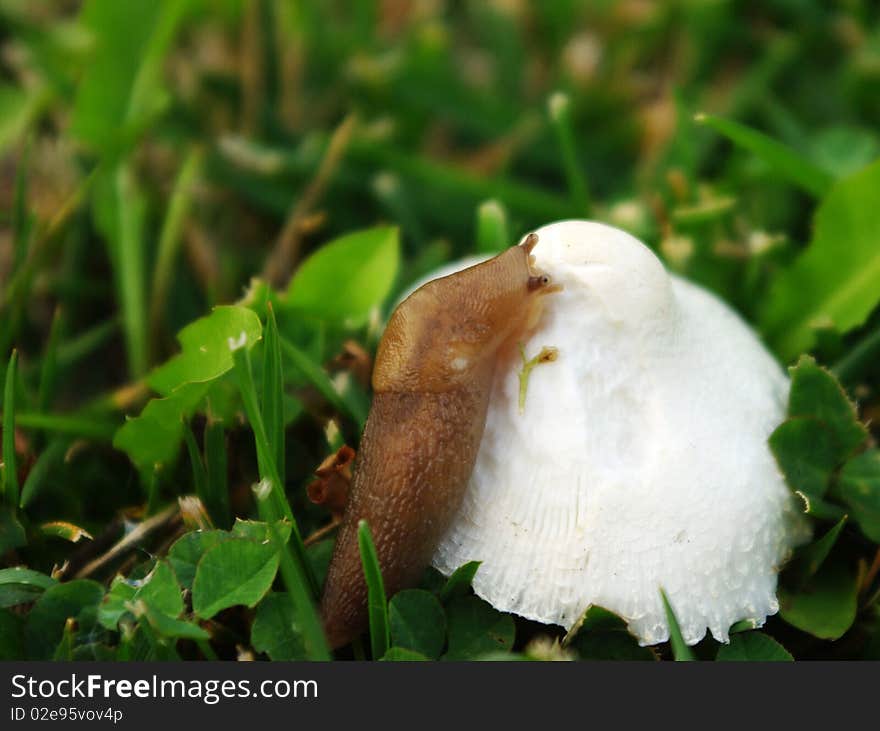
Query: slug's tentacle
<point x="431" y="381"/>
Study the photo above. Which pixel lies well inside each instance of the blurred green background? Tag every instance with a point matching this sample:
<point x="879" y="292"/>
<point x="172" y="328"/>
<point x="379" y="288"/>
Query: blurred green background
<point x="156" y="157"/>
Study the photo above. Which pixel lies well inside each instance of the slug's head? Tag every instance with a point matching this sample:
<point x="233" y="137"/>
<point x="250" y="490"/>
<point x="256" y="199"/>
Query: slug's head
<point x="450" y="330"/>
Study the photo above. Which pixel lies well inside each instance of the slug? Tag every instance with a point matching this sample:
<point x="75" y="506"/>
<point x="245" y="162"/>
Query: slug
<point x="431" y="381"/>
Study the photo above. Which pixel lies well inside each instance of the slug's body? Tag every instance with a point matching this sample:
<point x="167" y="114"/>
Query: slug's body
<point x="431" y="383"/>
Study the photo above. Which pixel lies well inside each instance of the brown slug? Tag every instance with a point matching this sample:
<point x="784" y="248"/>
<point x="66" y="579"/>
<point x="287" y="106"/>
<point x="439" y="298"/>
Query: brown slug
<point x="431" y="383"/>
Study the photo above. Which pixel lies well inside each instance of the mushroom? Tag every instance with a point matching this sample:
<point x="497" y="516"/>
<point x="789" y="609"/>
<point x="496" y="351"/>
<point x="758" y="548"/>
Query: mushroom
<point x="639" y="458"/>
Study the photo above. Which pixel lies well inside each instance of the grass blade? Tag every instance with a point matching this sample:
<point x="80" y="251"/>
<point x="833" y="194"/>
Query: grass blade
<point x="680" y="651"/>
<point x="781" y="158"/>
<point x="170" y="236"/>
<point x="10" y="471"/>
<point x="37" y="476"/>
<point x="200" y="475"/>
<point x="315" y="375"/>
<point x="377" y="604"/>
<point x="493" y="235"/>
<point x="559" y="107"/>
<point x="217" y="485"/>
<point x="49" y="366"/>
<point x="273" y="391"/>
<point x="130" y="269"/>
<point x="277" y="505"/>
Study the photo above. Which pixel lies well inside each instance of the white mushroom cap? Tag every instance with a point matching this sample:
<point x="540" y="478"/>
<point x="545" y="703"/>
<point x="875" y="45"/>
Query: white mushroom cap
<point x="640" y="460"/>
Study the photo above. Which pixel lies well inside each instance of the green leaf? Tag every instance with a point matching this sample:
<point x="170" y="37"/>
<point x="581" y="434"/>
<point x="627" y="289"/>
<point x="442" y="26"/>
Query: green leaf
<point x="401" y="654"/>
<point x="859" y="487"/>
<point x="346" y="278"/>
<point x="275" y="629"/>
<point x="476" y="628"/>
<point x="417" y="622"/>
<point x="826" y="606"/>
<point x="19" y="585"/>
<point x="680" y="650"/>
<point x="807" y="560"/>
<point x="10" y="469"/>
<point x="602" y="635"/>
<point x="753" y="647"/>
<point x="160" y="590"/>
<point x="207" y="346"/>
<point x="377" y="605"/>
<point x="816" y="393"/>
<point x="186" y="552"/>
<point x="460" y="581"/>
<point x="781" y="159"/>
<point x="47" y="618"/>
<point x="256" y="530"/>
<point x="806" y="453"/>
<point x="835" y="280"/>
<point x="169" y="627"/>
<point x="115" y="604"/>
<point x="153" y="438"/>
<point x="237" y="571"/>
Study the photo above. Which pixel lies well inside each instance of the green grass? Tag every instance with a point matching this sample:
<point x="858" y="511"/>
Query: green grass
<point x="204" y="223"/>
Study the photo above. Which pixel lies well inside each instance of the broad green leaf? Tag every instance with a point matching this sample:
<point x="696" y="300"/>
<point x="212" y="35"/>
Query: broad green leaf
<point x="417" y="622"/>
<point x="160" y="590"/>
<point x="781" y="159"/>
<point x="237" y="571"/>
<point x="816" y="393"/>
<point x="346" y="278"/>
<point x="753" y="647"/>
<point x="826" y="606"/>
<point x="115" y="604"/>
<point x="835" y="280"/>
<point x="377" y="605"/>
<point x="806" y="453"/>
<point x="207" y="345"/>
<point x="19" y="585"/>
<point x="680" y="650"/>
<point x="170" y="627"/>
<point x="259" y="531"/>
<point x="460" y="581"/>
<point x="275" y="630"/>
<point x="47" y="618"/>
<point x="154" y="437"/>
<point x="476" y="628"/>
<point x="859" y="488"/>
<point x="401" y="654"/>
<point x="602" y="635"/>
<point x="807" y="560"/>
<point x="186" y="552"/>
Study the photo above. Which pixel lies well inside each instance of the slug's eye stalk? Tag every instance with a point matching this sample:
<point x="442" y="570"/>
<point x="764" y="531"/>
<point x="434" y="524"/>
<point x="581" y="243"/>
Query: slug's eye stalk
<point x="538" y="281"/>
